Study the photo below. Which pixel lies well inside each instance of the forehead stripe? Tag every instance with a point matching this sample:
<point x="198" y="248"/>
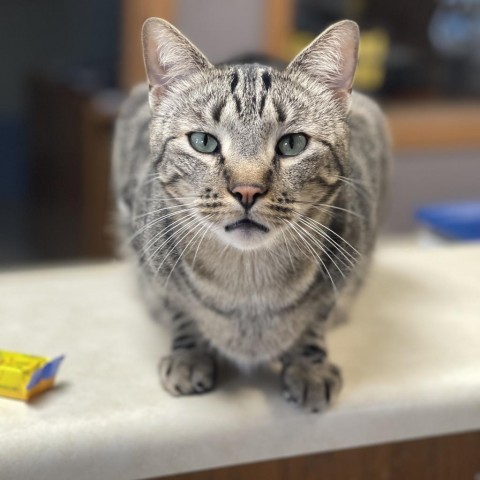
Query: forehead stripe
<point x="234" y="83"/>
<point x="267" y="80"/>
<point x="281" y="116"/>
<point x="238" y="104"/>
<point x="217" y="110"/>
<point x="262" y="104"/>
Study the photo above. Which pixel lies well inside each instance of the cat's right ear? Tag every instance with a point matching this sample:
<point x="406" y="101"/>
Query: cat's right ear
<point x="169" y="57"/>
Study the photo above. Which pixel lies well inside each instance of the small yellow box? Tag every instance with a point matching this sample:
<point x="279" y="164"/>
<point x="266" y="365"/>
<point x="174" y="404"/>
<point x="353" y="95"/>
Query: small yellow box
<point x="24" y="376"/>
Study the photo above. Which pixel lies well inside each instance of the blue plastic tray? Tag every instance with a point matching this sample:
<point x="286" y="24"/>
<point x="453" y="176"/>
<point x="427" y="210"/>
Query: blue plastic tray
<point x="460" y="221"/>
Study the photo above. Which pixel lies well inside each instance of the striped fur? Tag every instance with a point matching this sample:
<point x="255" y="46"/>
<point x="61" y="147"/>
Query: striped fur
<point x="252" y="296"/>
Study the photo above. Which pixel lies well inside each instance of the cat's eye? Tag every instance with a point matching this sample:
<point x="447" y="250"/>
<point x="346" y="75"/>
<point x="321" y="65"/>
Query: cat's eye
<point x="292" y="144"/>
<point x="203" y="142"/>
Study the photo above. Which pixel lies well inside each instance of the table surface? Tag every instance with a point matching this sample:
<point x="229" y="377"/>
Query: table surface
<point x="410" y="358"/>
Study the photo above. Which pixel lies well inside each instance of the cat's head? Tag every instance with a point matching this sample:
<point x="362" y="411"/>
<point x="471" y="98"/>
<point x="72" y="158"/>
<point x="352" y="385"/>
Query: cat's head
<point x="252" y="150"/>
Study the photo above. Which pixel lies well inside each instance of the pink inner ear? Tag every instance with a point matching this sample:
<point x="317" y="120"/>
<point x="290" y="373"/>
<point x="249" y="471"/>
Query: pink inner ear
<point x="169" y="56"/>
<point x="349" y="55"/>
<point x="154" y="69"/>
<point x="332" y="57"/>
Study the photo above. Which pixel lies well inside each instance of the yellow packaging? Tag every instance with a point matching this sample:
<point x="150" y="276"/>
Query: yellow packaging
<point x="24" y="376"/>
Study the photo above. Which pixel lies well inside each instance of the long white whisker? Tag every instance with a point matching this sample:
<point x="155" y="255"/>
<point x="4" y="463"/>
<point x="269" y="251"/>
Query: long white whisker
<point x="198" y="246"/>
<point x="322" y="248"/>
<point x="182" y="205"/>
<point x="174" y="198"/>
<point x="299" y="246"/>
<point x="336" y="234"/>
<point x="356" y="188"/>
<point x="188" y="244"/>
<point x="315" y="226"/>
<point x="324" y="205"/>
<point x="316" y="229"/>
<point x="157" y="220"/>
<point x="189" y="221"/>
<point x="353" y="180"/>
<point x="315" y="254"/>
<point x="176" y="243"/>
<point x="288" y="249"/>
<point x="168" y="228"/>
<point x="224" y="249"/>
<point x="148" y="182"/>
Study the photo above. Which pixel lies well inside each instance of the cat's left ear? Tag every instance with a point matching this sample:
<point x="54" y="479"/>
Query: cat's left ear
<point x="169" y="56"/>
<point x="332" y="57"/>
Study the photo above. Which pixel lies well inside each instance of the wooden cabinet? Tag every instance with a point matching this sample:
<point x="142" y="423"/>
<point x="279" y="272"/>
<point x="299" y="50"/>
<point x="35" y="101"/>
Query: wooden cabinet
<point x="70" y="155"/>
<point x="454" y="457"/>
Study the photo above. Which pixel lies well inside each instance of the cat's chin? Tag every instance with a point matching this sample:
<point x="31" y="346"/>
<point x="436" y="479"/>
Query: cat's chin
<point x="245" y="237"/>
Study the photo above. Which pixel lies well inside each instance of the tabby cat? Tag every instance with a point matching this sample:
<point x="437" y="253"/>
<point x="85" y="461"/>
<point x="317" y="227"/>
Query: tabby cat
<point x="250" y="198"/>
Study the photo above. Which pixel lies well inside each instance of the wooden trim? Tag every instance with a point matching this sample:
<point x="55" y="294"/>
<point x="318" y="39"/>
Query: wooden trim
<point x="97" y="205"/>
<point x="134" y="13"/>
<point x="279" y="26"/>
<point x="422" y="125"/>
<point x="452" y="457"/>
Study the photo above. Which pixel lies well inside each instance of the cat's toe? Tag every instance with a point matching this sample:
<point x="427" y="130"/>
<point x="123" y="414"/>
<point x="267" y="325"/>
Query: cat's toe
<point x="312" y="386"/>
<point x="186" y="372"/>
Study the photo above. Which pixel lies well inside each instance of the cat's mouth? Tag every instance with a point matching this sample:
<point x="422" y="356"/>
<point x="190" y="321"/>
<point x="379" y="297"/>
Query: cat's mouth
<point x="246" y="224"/>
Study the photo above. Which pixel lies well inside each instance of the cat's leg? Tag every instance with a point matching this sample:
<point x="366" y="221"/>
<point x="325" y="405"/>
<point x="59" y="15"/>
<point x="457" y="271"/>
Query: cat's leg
<point x="190" y="368"/>
<point x="308" y="378"/>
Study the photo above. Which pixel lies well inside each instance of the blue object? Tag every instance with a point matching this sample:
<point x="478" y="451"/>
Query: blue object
<point x="459" y="221"/>
<point x="46" y="372"/>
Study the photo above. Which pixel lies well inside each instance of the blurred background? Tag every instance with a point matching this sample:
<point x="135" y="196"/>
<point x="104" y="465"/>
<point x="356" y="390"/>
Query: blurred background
<point x="66" y="66"/>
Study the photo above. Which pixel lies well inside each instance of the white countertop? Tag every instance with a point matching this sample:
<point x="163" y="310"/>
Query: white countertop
<point x="410" y="358"/>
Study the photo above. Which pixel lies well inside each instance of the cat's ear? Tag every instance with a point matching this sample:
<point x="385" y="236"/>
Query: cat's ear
<point x="169" y="56"/>
<point x="332" y="57"/>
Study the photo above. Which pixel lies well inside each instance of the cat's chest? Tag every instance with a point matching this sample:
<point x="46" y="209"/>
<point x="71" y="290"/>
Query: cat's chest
<point x="258" y="286"/>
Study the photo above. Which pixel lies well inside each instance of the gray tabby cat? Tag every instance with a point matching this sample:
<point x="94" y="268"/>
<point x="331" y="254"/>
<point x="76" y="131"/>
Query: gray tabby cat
<point x="250" y="198"/>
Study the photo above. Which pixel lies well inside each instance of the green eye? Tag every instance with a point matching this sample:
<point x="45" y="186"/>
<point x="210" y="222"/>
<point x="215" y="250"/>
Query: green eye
<point x="292" y="144"/>
<point x="203" y="142"/>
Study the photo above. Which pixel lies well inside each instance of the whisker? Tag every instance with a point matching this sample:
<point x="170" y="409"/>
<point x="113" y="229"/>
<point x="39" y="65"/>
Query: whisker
<point x="315" y="254"/>
<point x="149" y="182"/>
<point x="198" y="246"/>
<point x="168" y="228"/>
<point x="161" y="209"/>
<point x="336" y="234"/>
<point x="288" y="249"/>
<point x="326" y="205"/>
<point x="188" y="244"/>
<point x="154" y="222"/>
<point x="356" y="188"/>
<point x="354" y="180"/>
<point x="224" y="250"/>
<point x="348" y="265"/>
<point x="175" y="198"/>
<point x="316" y="242"/>
<point x="188" y="223"/>
<point x="299" y="246"/>
<point x="178" y="241"/>
<point x="316" y="226"/>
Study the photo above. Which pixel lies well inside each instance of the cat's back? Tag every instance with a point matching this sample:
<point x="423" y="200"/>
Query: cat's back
<point x="370" y="153"/>
<point x="131" y="149"/>
<point x="369" y="135"/>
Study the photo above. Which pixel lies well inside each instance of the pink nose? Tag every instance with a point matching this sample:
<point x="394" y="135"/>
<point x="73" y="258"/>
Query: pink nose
<point x="248" y="194"/>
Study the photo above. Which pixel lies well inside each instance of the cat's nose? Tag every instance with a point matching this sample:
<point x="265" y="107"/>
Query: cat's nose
<point x="247" y="195"/>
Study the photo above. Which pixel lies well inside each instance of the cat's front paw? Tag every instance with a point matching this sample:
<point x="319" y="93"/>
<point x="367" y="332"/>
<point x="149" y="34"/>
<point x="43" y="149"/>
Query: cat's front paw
<point x="313" y="386"/>
<point x="187" y="372"/>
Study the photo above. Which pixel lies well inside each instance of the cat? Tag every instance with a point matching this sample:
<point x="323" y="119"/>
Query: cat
<point x="250" y="199"/>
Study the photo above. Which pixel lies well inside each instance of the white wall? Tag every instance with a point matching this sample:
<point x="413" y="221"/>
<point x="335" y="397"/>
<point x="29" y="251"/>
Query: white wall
<point x="422" y="177"/>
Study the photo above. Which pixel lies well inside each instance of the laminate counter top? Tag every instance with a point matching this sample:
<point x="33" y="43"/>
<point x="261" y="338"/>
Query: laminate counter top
<point x="410" y="358"/>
